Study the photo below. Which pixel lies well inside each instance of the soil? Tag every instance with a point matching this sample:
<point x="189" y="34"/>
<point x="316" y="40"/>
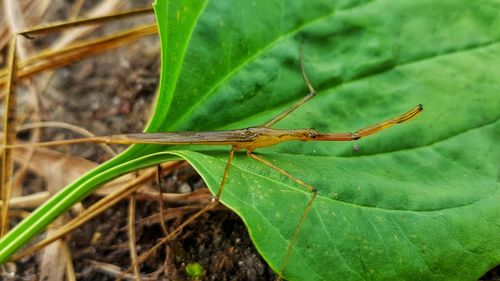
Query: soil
<point x="112" y="93"/>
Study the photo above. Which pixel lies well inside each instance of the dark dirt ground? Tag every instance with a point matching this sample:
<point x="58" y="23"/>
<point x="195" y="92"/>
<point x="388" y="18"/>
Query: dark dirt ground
<point x="112" y="93"/>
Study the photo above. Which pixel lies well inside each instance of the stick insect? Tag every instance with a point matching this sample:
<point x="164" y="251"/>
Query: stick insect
<point x="247" y="140"/>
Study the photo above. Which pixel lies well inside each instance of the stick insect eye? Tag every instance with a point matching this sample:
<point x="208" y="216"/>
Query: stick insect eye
<point x="312" y="134"/>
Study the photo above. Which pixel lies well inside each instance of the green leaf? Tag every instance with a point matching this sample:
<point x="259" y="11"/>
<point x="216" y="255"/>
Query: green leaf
<point x="419" y="201"/>
<point x="194" y="270"/>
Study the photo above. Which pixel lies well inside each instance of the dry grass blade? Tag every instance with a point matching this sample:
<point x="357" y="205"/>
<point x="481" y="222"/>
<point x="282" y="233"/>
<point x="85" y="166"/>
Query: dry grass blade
<point x="84" y="21"/>
<point x="58" y="161"/>
<point x="113" y="270"/>
<point x="15" y="20"/>
<point x="63" y="125"/>
<point x="9" y="136"/>
<point x="34" y="11"/>
<point x="51" y="59"/>
<point x="42" y="156"/>
<point x="96" y="209"/>
<point x="131" y="235"/>
<point x="70" y="271"/>
<point x="160" y="200"/>
<point x="53" y="260"/>
<point x="101" y="9"/>
<point x="198" y="195"/>
<point x="30" y="201"/>
<point x="173" y="213"/>
<point x="75" y="9"/>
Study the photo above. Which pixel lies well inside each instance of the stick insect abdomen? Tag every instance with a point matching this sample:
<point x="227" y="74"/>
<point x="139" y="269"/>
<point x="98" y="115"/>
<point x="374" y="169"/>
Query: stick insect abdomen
<point x="177" y="138"/>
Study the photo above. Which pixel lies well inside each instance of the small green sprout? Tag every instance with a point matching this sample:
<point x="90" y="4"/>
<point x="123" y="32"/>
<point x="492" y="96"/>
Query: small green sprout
<point x="194" y="270"/>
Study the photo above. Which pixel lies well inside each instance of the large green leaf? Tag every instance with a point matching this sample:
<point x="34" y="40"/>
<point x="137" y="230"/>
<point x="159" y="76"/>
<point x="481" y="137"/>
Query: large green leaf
<point x="418" y="202"/>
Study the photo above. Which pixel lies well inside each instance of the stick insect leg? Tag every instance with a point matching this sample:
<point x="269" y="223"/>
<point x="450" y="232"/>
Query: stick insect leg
<point x="296" y="232"/>
<point x="211" y="205"/>
<point x="296" y="105"/>
<point x="226" y="171"/>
